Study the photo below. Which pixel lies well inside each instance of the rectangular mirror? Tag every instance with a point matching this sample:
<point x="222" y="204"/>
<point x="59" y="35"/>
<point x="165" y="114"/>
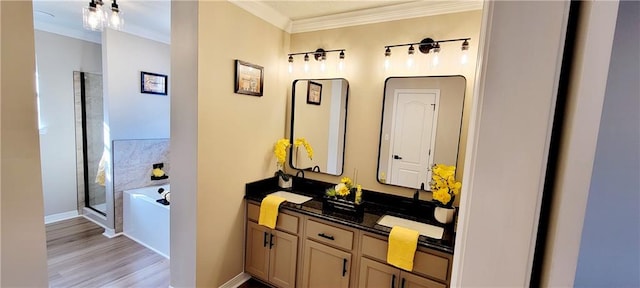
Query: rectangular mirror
<point x="319" y="114"/>
<point x="421" y="123"/>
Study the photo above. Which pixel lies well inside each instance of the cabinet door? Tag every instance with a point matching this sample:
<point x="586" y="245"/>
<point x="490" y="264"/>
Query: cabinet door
<point x="376" y="274"/>
<point x="257" y="251"/>
<point x="325" y="266"/>
<point x="282" y="259"/>
<point x="413" y="281"/>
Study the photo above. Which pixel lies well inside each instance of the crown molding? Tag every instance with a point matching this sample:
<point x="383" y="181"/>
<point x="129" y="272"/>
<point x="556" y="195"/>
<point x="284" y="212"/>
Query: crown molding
<point x="384" y="14"/>
<point x="89" y="36"/>
<point x="266" y="13"/>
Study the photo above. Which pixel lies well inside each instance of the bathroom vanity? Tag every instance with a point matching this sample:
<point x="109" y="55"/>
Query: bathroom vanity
<point x="314" y="247"/>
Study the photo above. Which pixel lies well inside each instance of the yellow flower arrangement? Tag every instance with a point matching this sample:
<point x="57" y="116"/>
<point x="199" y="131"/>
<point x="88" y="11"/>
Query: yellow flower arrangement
<point x="443" y="184"/>
<point x="307" y="146"/>
<point x="280" y="151"/>
<point x="344" y="189"/>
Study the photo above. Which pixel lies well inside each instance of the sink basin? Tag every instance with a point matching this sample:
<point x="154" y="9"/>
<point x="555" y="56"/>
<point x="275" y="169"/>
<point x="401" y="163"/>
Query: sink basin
<point x="422" y="228"/>
<point x="292" y="197"/>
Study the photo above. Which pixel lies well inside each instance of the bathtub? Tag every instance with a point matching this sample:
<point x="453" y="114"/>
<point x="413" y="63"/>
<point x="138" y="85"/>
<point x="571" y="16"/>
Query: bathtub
<point x="145" y="220"/>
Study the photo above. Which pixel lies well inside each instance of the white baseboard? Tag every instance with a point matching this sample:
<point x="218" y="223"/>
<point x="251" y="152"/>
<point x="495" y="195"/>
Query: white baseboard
<point x="108" y="232"/>
<point x="145" y="245"/>
<point x="236" y="281"/>
<point x="61" y="216"/>
<point x="111" y="233"/>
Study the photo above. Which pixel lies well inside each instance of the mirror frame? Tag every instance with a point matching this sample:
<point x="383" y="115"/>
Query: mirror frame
<point x="293" y="113"/>
<point x="384" y="98"/>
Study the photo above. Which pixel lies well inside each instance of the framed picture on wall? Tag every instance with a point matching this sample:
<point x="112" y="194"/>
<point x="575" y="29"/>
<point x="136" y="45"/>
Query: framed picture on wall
<point x="314" y="93"/>
<point x="249" y="78"/>
<point x="152" y="83"/>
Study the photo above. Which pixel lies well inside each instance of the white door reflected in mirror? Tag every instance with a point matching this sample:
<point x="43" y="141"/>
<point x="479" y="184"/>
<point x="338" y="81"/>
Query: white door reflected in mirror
<point x="421" y="124"/>
<point x="413" y="136"/>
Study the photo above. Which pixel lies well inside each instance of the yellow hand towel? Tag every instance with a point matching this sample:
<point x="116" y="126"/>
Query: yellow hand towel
<point x="402" y="247"/>
<point x="269" y="210"/>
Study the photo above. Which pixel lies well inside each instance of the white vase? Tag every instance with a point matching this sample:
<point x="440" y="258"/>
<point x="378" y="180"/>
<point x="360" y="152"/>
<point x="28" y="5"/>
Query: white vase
<point x="444" y="215"/>
<point x="285" y="184"/>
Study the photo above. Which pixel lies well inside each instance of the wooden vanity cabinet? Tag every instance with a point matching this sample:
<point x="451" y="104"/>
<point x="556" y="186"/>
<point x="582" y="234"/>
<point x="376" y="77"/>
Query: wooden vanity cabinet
<point x="327" y="255"/>
<point x="430" y="268"/>
<point x="271" y="254"/>
<point x="306" y="251"/>
<point x="376" y="274"/>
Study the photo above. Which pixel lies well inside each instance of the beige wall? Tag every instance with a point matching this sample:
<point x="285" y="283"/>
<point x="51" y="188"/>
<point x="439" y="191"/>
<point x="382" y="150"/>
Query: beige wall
<point x="364" y="46"/>
<point x="23" y="250"/>
<point x="235" y="135"/>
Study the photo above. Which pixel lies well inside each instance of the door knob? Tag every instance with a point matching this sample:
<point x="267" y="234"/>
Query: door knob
<point x="397" y="157"/>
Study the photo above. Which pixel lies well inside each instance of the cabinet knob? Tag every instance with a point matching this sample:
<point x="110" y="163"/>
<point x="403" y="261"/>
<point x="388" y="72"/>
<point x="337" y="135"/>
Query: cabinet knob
<point x="393" y="280"/>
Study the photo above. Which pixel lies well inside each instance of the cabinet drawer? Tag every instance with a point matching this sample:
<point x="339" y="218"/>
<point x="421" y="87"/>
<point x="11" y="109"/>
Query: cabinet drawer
<point x="424" y="263"/>
<point x="331" y="235"/>
<point x="286" y="222"/>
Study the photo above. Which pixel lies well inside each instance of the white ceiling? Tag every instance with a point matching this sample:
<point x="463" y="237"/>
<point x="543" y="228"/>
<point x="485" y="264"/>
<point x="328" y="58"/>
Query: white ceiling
<point x="152" y="19"/>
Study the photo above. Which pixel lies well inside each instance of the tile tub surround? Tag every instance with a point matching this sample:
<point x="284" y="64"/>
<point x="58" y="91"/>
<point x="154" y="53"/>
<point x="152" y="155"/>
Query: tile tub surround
<point x="376" y="205"/>
<point x="132" y="165"/>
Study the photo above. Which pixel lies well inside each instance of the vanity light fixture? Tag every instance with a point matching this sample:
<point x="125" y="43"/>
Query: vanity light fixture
<point x="341" y="61"/>
<point x="426" y="46"/>
<point x="436" y="52"/>
<point x="319" y="55"/>
<point x="387" y="58"/>
<point x="116" y="21"/>
<point x="410" y="57"/>
<point x="465" y="51"/>
<point x="94" y="17"/>
<point x="290" y="63"/>
<point x="306" y="62"/>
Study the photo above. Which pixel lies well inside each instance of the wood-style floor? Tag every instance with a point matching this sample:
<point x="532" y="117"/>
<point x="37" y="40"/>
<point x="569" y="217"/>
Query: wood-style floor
<point x="80" y="256"/>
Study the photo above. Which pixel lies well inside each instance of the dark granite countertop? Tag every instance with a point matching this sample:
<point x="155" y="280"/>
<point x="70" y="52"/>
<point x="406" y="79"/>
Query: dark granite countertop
<point x="375" y="205"/>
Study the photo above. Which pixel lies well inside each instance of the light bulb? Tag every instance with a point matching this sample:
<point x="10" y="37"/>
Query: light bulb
<point x="464" y="58"/>
<point x="115" y="21"/>
<point x="387" y="58"/>
<point x="410" y="57"/>
<point x="323" y="65"/>
<point x="341" y="61"/>
<point x="436" y="60"/>
<point x="306" y="66"/>
<point x="91" y="18"/>
<point x="465" y="49"/>
<point x="290" y="67"/>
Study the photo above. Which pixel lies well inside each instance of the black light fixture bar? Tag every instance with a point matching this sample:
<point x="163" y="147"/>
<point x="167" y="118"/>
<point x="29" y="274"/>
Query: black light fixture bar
<point x="421" y="43"/>
<point x="314" y="52"/>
